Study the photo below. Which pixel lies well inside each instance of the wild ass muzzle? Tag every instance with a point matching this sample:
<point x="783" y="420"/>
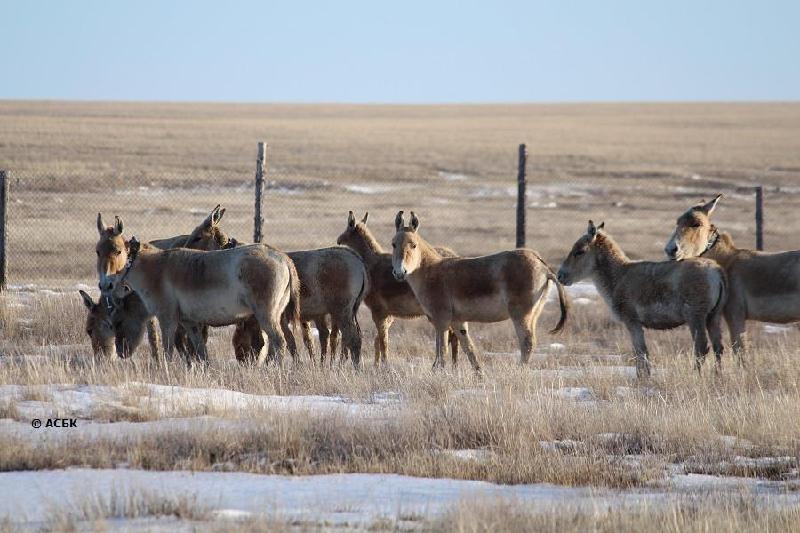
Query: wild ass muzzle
<point x="654" y="295"/>
<point x="762" y="286"/>
<point x="492" y="288"/>
<point x="387" y="297"/>
<point x="219" y="288"/>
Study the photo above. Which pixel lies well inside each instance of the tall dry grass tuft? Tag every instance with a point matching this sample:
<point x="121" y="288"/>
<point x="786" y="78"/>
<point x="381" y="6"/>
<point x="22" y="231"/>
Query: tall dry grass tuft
<point x="700" y="514"/>
<point x="124" y="504"/>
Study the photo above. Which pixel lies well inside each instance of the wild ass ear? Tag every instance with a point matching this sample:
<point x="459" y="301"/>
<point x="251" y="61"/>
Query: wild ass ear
<point x="351" y="220"/>
<point x="601" y="226"/>
<point x="218" y="215"/>
<point x="366" y="216"/>
<point x="209" y="220"/>
<point x="398" y="221"/>
<point x="117" y="229"/>
<point x="591" y="231"/>
<point x="101" y="227"/>
<point x="710" y="206"/>
<point x="414" y="221"/>
<point x="87" y="300"/>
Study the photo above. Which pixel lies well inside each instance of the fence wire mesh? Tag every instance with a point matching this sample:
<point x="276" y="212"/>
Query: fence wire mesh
<point x="52" y="231"/>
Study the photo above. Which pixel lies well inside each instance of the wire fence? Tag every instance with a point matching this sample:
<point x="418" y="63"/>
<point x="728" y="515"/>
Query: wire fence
<point x="52" y="231"/>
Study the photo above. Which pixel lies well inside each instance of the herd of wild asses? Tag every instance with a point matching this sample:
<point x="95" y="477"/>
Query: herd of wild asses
<point x="175" y="288"/>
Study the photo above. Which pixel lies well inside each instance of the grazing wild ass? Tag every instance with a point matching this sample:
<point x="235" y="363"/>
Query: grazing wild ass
<point x="654" y="295"/>
<point x="762" y="286"/>
<point x="492" y="288"/>
<point x="219" y="288"/>
<point x="99" y="328"/>
<point x="387" y="297"/>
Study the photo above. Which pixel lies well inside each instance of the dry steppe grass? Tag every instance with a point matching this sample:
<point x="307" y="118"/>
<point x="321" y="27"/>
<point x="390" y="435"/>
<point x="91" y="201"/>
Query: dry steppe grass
<point x="619" y="432"/>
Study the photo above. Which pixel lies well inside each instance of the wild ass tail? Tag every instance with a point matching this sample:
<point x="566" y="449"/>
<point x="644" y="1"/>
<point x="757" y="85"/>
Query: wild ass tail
<point x="365" y="286"/>
<point x="723" y="294"/>
<point x="563" y="301"/>
<point x="292" y="311"/>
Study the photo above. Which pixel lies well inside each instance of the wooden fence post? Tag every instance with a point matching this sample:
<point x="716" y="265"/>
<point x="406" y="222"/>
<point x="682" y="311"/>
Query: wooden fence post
<point x="759" y="218"/>
<point x="3" y="220"/>
<point x="261" y="164"/>
<point x="521" y="187"/>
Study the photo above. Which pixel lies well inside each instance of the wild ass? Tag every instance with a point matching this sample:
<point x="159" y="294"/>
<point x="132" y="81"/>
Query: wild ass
<point x="130" y="316"/>
<point x="654" y="295"/>
<point x="492" y="288"/>
<point x="219" y="288"/>
<point x="99" y="327"/>
<point x="333" y="282"/>
<point x="387" y="298"/>
<point x="762" y="286"/>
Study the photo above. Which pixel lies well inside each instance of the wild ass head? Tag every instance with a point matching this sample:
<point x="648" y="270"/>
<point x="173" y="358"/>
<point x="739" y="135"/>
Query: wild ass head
<point x="406" y="250"/>
<point x="694" y="233"/>
<point x="208" y="235"/>
<point x="99" y="328"/>
<point x="582" y="259"/>
<point x="111" y="249"/>
<point x="353" y="235"/>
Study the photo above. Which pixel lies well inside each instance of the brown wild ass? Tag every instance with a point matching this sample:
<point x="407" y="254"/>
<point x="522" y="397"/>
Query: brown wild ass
<point x="654" y="295"/>
<point x="99" y="327"/>
<point x="387" y="298"/>
<point x="131" y="316"/>
<point x="762" y="286"/>
<point x="220" y="288"/>
<point x="333" y="282"/>
<point x="492" y="288"/>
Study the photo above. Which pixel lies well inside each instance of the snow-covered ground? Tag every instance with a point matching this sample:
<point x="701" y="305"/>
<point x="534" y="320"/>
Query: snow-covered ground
<point x="337" y="498"/>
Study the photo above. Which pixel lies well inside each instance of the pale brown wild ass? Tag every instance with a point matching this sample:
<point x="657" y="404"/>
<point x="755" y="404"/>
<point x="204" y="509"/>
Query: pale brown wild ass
<point x="762" y="286"/>
<point x="333" y="282"/>
<point x="217" y="288"/>
<point x="131" y="316"/>
<point x="387" y="298"/>
<point x="654" y="295"/>
<point x="492" y="288"/>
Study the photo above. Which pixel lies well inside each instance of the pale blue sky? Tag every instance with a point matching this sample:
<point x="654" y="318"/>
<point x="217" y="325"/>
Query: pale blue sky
<point x="402" y="51"/>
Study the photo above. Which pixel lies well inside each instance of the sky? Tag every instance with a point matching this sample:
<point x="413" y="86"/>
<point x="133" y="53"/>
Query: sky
<point x="400" y="52"/>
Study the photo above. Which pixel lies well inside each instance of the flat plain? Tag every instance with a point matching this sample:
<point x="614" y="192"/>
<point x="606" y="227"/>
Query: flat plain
<point x="572" y="441"/>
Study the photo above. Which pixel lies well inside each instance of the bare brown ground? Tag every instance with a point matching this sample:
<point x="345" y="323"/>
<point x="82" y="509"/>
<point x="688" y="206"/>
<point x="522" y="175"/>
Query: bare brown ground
<point x="636" y="166"/>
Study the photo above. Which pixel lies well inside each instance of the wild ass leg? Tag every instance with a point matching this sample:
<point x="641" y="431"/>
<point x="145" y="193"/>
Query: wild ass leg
<point x="351" y="336"/>
<point x="307" y="340"/>
<point x="275" y="339"/>
<point x="639" y="349"/>
<point x="324" y="337"/>
<point x="522" y="326"/>
<point x="438" y="362"/>
<point x="168" y="328"/>
<point x="715" y="333"/>
<point x="466" y="341"/>
<point x="452" y="339"/>
<point x="288" y="334"/>
<point x="153" y="337"/>
<point x="697" y="326"/>
<point x="197" y="345"/>
<point x="382" y="324"/>
<point x="737" y="325"/>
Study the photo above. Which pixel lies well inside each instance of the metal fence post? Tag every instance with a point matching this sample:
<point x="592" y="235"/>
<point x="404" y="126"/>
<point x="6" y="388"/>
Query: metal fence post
<point x="261" y="164"/>
<point x="521" y="186"/>
<point x="759" y="218"/>
<point x="3" y="220"/>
